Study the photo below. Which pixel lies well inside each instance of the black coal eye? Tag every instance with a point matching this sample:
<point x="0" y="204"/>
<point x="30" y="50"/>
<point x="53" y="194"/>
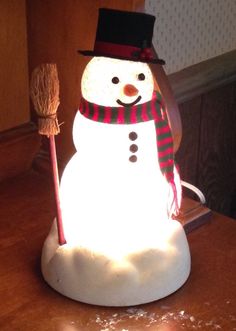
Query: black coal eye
<point x="115" y="80"/>
<point x="141" y="76"/>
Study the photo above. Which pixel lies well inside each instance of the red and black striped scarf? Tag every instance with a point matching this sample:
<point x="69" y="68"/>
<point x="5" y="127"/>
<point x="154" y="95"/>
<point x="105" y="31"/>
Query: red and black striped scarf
<point x="151" y="110"/>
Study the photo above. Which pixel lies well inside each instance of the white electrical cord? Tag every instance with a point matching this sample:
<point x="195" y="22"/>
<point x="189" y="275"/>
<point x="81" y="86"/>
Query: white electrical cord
<point x="195" y="190"/>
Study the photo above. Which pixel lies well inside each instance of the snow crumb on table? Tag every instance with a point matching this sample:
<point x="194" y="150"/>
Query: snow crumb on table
<point x="181" y="318"/>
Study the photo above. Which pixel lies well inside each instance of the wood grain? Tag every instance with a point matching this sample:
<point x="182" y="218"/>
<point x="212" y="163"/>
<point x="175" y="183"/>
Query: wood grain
<point x="207" y="155"/>
<point x="193" y="214"/>
<point x="14" y="98"/>
<point x="18" y="148"/>
<point x="217" y="153"/>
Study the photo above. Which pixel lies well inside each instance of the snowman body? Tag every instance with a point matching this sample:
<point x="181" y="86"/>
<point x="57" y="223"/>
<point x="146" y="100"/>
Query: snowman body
<point x="122" y="248"/>
<point x="110" y="192"/>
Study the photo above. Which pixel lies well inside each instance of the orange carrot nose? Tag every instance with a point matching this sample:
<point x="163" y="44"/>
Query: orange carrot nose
<point x="130" y="90"/>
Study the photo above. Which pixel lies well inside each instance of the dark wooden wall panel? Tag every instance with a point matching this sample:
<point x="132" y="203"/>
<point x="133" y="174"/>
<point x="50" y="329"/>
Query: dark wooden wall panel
<point x="233" y="149"/>
<point x="207" y="154"/>
<point x="217" y="149"/>
<point x="14" y="97"/>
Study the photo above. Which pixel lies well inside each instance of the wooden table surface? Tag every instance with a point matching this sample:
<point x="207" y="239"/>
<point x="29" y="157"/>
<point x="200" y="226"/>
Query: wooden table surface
<point x="206" y="302"/>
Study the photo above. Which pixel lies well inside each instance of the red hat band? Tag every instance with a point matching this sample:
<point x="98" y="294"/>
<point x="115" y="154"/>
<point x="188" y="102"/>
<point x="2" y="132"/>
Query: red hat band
<point x="123" y="51"/>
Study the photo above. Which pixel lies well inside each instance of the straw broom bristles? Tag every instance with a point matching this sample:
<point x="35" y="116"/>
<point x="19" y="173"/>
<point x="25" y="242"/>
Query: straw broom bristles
<point x="44" y="91"/>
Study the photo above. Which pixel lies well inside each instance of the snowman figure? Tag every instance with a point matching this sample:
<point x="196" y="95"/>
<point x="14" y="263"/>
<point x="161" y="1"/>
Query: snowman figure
<point x="121" y="187"/>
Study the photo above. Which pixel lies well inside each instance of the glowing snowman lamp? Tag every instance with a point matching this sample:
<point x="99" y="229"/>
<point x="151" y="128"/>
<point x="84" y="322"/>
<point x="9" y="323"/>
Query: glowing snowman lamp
<point x="117" y="190"/>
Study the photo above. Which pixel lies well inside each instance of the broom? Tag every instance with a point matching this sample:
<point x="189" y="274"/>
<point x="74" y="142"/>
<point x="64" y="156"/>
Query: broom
<point x="44" y="92"/>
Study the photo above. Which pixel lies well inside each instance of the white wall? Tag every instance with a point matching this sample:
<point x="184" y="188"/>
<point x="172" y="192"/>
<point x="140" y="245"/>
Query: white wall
<point x="190" y="31"/>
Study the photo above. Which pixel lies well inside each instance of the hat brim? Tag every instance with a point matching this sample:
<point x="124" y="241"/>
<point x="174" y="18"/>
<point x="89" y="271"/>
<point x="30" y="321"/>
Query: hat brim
<point x="93" y="53"/>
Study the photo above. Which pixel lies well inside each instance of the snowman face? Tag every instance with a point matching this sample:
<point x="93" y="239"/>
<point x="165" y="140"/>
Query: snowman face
<point x="114" y="83"/>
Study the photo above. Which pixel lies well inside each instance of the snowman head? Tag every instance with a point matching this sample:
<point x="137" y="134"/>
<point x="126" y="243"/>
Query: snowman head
<point x="114" y="82"/>
<point x="119" y="75"/>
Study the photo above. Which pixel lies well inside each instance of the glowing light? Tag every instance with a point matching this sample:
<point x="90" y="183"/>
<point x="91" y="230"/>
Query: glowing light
<point x="125" y="212"/>
<point x="122" y="248"/>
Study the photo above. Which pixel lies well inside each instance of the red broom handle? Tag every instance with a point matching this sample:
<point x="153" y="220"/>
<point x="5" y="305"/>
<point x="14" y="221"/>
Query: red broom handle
<point x="61" y="236"/>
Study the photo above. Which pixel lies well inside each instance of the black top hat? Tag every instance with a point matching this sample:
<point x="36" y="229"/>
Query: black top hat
<point x="124" y="35"/>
